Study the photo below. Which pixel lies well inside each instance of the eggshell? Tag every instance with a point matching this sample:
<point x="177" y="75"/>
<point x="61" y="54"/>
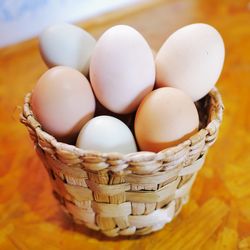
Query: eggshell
<point x="68" y="45"/>
<point x="191" y="59"/>
<point x="165" y="118"/>
<point x="106" y="134"/>
<point x="122" y="69"/>
<point x="62" y="101"/>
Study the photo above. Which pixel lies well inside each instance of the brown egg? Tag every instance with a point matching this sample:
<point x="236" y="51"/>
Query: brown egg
<point x="165" y="118"/>
<point x="62" y="101"/>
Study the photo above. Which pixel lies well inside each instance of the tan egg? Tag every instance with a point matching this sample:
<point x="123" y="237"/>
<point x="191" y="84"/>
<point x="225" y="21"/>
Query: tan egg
<point x="62" y="101"/>
<point x="191" y="59"/>
<point x="122" y="69"/>
<point x="165" y="118"/>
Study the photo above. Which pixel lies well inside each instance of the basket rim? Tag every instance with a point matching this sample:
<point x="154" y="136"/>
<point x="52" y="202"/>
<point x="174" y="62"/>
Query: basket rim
<point x="214" y="120"/>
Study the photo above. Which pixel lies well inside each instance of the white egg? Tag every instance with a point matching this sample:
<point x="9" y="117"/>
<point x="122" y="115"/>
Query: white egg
<point x="106" y="134"/>
<point x="122" y="69"/>
<point x="67" y="45"/>
<point x="191" y="59"/>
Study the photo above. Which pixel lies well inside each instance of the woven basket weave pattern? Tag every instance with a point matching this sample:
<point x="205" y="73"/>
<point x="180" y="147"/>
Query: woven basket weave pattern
<point x="129" y="194"/>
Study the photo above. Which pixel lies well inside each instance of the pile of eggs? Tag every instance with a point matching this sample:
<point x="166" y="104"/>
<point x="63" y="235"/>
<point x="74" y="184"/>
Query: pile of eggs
<point x="95" y="89"/>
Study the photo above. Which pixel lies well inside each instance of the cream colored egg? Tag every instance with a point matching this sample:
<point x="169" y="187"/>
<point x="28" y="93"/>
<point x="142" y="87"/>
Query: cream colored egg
<point x="122" y="69"/>
<point x="165" y="118"/>
<point x="191" y="59"/>
<point x="63" y="101"/>
<point x="67" y="45"/>
<point x="106" y="134"/>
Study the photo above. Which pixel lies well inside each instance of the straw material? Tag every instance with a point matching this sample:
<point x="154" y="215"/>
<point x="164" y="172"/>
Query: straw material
<point x="129" y="194"/>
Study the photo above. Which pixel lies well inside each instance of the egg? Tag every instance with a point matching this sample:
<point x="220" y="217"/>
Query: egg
<point x="67" y="45"/>
<point x="63" y="101"/>
<point x="122" y="69"/>
<point x="165" y="118"/>
<point x="191" y="59"/>
<point x="106" y="134"/>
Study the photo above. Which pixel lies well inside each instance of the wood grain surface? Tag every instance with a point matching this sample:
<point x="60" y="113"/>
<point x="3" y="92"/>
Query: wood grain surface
<point x="218" y="214"/>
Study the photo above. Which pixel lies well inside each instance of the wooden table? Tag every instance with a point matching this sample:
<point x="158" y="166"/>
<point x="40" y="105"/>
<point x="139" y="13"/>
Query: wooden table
<point x="218" y="214"/>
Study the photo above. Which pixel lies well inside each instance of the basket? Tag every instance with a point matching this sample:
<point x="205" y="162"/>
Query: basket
<point x="131" y="194"/>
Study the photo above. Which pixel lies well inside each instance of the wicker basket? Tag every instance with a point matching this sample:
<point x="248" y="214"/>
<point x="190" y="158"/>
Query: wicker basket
<point x="129" y="194"/>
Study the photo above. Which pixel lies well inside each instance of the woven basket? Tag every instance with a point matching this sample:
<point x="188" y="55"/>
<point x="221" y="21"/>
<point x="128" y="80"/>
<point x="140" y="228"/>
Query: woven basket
<point x="129" y="194"/>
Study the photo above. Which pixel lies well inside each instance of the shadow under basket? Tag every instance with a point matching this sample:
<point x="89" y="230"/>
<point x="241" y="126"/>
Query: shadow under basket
<point x="131" y="194"/>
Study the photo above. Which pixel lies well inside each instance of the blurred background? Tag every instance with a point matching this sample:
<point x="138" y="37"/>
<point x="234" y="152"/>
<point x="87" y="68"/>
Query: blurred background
<point x="24" y="19"/>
